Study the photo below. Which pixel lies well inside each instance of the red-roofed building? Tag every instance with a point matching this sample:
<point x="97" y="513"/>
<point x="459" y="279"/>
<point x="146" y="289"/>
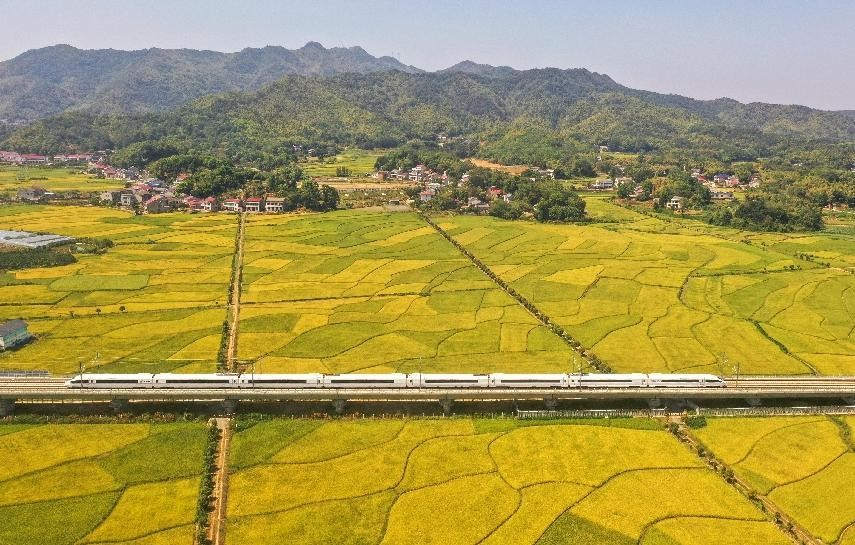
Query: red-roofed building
<point x="254" y="204"/>
<point x="232" y="205"/>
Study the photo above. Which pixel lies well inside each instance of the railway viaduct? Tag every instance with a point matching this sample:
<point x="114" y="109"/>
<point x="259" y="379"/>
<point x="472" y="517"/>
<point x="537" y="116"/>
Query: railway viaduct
<point x="755" y="390"/>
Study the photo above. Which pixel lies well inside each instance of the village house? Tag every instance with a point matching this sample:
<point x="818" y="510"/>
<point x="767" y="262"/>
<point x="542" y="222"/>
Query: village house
<point x="232" y="205"/>
<point x="158" y="204"/>
<point x="253" y="204"/>
<point x="275" y="205"/>
<point x="10" y="157"/>
<point x="33" y="158"/>
<point x="426" y="195"/>
<point x="381" y="175"/>
<point x="675" y="204"/>
<point x="110" y="197"/>
<point x="13" y="333"/>
<point x="507" y="197"/>
<point x="720" y="179"/>
<point x="209" y="204"/>
<point x="493" y="193"/>
<point x="718" y="195"/>
<point x="31" y="194"/>
<point x="732" y="181"/>
<point x="127" y="198"/>
<point x="397" y="174"/>
<point x="417" y="173"/>
<point x="602" y="185"/>
<point x="193" y="204"/>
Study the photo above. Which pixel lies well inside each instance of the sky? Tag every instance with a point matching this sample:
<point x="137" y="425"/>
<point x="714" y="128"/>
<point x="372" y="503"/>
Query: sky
<point x="785" y="51"/>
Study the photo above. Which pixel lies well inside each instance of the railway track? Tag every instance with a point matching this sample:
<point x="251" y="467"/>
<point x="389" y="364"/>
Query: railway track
<point x="755" y="386"/>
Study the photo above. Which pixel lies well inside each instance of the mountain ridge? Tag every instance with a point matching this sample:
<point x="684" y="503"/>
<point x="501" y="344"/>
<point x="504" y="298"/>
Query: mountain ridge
<point x="55" y="79"/>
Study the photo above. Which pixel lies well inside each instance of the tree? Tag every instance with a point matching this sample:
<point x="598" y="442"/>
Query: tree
<point x="310" y="195"/>
<point x="329" y="198"/>
<point x="509" y="211"/>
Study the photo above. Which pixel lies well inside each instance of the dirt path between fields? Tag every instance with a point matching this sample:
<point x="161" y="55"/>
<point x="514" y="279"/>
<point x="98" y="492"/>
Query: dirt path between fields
<point x="588" y="356"/>
<point x="234" y="304"/>
<point x="796" y="532"/>
<point x="217" y="528"/>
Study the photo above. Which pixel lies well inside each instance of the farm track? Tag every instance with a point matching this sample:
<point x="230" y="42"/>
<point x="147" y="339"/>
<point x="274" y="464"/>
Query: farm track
<point x="217" y="531"/>
<point x="796" y="532"/>
<point x="592" y="361"/>
<point x="234" y="303"/>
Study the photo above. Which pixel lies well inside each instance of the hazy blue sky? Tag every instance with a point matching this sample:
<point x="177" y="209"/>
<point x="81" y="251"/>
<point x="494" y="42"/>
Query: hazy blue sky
<point x="773" y="51"/>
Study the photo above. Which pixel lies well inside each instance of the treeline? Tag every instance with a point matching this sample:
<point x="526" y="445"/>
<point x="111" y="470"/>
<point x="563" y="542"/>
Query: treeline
<point x="29" y="258"/>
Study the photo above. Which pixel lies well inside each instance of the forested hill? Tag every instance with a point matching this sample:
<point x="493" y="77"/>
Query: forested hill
<point x="47" y="81"/>
<point x="532" y="116"/>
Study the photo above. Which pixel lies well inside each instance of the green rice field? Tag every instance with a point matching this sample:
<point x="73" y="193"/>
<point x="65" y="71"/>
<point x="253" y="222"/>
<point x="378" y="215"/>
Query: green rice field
<point x="647" y="294"/>
<point x="60" y="179"/>
<point x="378" y="292"/>
<point x="465" y="482"/>
<point x="360" y="162"/>
<point x="99" y="483"/>
<point x="805" y="465"/>
<point x="154" y="302"/>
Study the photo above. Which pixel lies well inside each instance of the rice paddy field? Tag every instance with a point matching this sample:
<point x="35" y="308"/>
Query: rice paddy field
<point x="359" y="162"/>
<point x="471" y="481"/>
<point x="646" y="294"/>
<point x="64" y="484"/>
<point x="154" y="302"/>
<point x="60" y="179"/>
<point x="361" y="291"/>
<point x="805" y="465"/>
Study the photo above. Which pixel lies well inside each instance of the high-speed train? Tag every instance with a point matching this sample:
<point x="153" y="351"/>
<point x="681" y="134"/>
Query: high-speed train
<point x="394" y="380"/>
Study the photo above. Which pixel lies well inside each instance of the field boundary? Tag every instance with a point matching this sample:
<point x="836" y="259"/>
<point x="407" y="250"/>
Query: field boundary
<point x="680" y="429"/>
<point x="217" y="526"/>
<point x="233" y="315"/>
<point x="538" y="314"/>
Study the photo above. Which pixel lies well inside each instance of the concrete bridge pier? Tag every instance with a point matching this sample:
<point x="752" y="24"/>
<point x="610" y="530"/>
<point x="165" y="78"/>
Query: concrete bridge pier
<point x="229" y="406"/>
<point x="339" y="405"/>
<point x="654" y="403"/>
<point x="119" y="405"/>
<point x="447" y="404"/>
<point x="550" y="402"/>
<point x="7" y="407"/>
<point x="753" y="401"/>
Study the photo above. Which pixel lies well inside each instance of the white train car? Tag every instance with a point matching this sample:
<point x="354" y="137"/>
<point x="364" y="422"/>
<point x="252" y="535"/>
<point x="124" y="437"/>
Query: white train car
<point x="173" y="380"/>
<point x="684" y="380"/>
<point x="535" y="380"/>
<point x="306" y="380"/>
<point x="358" y="380"/>
<point x="450" y="380"/>
<point x="613" y="380"/>
<point x="103" y="380"/>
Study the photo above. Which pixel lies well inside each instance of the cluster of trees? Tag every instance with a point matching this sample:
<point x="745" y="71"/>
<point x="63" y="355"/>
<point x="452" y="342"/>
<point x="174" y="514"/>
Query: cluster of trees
<point x="29" y="258"/>
<point x="769" y="212"/>
<point x="680" y="184"/>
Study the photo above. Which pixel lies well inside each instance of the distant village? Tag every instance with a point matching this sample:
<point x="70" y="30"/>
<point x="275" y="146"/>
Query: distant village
<point x="149" y="195"/>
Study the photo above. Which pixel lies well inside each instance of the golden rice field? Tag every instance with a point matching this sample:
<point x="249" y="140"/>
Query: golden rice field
<point x="359" y="291"/>
<point x="156" y="301"/>
<point x="465" y="481"/>
<point x="652" y="295"/>
<point x="60" y="179"/>
<point x="805" y="465"/>
<point x="64" y="484"/>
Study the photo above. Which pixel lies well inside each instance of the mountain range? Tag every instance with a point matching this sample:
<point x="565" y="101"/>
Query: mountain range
<point x="259" y="101"/>
<point x="51" y="80"/>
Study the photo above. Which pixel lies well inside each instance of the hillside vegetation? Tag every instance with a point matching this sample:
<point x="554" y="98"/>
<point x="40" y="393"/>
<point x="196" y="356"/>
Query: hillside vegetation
<point x="522" y="117"/>
<point x="51" y="80"/>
